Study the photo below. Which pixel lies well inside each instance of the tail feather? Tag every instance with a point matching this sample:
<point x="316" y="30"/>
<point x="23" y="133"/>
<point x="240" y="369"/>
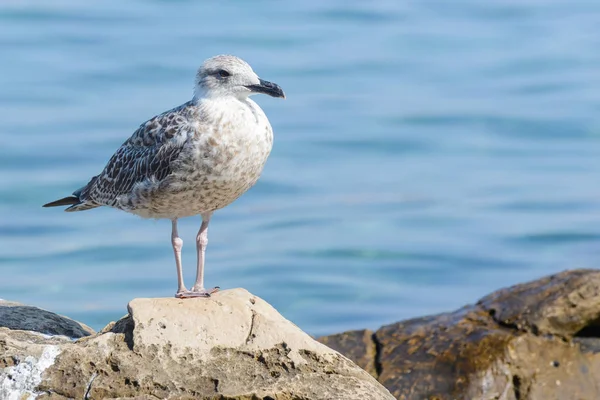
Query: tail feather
<point x="78" y="201"/>
<point x="66" y="201"/>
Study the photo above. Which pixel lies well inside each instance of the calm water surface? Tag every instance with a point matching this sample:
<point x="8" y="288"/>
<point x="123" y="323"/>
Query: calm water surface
<point x="427" y="154"/>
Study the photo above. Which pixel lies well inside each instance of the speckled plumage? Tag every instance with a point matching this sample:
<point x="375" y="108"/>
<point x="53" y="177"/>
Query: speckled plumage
<point x="191" y="160"/>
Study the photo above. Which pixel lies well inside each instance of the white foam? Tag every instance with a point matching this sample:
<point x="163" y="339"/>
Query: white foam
<point x="20" y="381"/>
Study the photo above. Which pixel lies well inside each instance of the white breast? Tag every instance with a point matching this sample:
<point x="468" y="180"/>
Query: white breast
<point x="226" y="158"/>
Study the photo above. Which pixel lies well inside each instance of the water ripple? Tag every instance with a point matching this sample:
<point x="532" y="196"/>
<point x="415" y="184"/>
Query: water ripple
<point x="427" y="153"/>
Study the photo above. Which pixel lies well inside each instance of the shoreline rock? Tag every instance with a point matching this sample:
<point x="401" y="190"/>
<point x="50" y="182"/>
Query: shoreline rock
<point x="231" y="346"/>
<point x="534" y="341"/>
<point x="538" y="340"/>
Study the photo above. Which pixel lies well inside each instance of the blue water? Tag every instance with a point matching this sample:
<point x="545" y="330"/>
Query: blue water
<point x="428" y="153"/>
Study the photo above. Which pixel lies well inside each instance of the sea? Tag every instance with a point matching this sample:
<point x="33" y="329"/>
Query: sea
<point x="428" y="152"/>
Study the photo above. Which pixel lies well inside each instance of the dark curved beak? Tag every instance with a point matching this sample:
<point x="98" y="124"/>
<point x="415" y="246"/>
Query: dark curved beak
<point x="266" y="87"/>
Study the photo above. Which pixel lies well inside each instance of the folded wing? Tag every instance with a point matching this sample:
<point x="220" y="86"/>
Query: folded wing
<point x="148" y="155"/>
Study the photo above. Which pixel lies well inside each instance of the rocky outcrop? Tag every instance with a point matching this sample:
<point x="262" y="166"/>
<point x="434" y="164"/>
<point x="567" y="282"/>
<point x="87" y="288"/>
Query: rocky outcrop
<point x="19" y="316"/>
<point x="534" y="341"/>
<point x="230" y="346"/>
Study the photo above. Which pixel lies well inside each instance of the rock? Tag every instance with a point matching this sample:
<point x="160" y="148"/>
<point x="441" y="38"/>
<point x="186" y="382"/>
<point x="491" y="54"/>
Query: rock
<point x="231" y="346"/>
<point x="19" y="316"/>
<point x="358" y="346"/>
<point x="535" y="341"/>
<point x="24" y="356"/>
<point x="561" y="305"/>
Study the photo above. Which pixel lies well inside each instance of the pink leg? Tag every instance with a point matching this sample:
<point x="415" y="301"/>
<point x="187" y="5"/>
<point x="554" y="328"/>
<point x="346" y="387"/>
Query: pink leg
<point x="182" y="291"/>
<point x="201" y="242"/>
<point x="177" y="245"/>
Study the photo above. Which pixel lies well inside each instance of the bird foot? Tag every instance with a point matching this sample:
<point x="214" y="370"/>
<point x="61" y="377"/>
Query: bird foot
<point x="189" y="294"/>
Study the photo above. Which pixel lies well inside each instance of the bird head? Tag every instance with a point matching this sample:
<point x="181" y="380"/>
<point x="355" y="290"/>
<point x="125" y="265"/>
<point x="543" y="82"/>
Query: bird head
<point x="227" y="75"/>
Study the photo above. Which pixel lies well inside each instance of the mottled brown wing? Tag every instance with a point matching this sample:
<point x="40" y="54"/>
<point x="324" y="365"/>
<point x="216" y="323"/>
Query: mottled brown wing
<point x="148" y="154"/>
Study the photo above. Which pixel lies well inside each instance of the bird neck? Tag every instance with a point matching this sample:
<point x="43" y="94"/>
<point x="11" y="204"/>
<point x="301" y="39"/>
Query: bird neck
<point x="199" y="96"/>
<point x="201" y="92"/>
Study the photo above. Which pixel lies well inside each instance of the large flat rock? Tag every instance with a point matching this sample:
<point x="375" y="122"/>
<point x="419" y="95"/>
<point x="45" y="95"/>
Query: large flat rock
<point x="230" y="346"/>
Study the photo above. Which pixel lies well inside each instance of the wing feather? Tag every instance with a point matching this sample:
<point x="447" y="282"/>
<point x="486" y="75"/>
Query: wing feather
<point x="148" y="155"/>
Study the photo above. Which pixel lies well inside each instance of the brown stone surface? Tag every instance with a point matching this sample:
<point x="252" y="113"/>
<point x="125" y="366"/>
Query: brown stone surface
<point x="231" y="346"/>
<point x="561" y="304"/>
<point x="358" y="346"/>
<point x="535" y="341"/>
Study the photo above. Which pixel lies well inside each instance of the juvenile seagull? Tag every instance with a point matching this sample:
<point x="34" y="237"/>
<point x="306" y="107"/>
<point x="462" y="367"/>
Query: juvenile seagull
<point x="193" y="159"/>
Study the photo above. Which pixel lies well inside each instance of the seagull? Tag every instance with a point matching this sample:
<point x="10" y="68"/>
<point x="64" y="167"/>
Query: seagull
<point x="191" y="160"/>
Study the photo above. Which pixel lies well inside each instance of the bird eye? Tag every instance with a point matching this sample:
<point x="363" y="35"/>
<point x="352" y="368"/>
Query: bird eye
<point x="223" y="73"/>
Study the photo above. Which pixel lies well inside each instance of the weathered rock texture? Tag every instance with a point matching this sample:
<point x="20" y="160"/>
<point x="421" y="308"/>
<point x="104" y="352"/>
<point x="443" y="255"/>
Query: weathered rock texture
<point x="19" y="316"/>
<point x="358" y="346"/>
<point x="534" y="341"/>
<point x="230" y="346"/>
